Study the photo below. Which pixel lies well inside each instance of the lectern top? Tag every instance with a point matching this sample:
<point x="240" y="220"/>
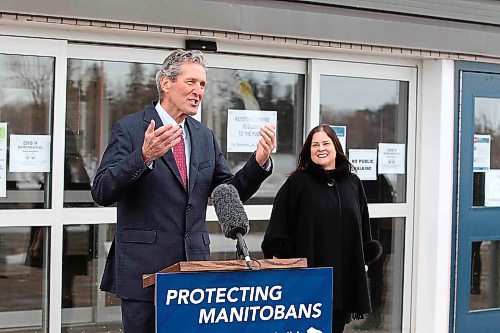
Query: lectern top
<point x="226" y="265"/>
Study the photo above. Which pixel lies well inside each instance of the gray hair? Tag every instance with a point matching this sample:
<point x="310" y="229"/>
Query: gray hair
<point x="171" y="66"/>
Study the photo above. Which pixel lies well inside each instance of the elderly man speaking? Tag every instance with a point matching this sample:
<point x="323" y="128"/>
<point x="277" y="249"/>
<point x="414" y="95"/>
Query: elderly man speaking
<point x="160" y="167"/>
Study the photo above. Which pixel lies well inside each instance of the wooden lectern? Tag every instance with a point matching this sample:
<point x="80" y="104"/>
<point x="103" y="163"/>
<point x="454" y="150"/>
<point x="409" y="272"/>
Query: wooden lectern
<point x="227" y="296"/>
<point x="228" y="265"/>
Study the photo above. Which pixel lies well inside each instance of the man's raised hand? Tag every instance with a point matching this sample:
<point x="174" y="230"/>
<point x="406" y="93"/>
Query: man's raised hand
<point x="266" y="144"/>
<point x="158" y="142"/>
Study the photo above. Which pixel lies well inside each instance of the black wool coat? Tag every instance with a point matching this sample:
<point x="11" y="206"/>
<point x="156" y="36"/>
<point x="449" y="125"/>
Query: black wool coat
<point x="323" y="216"/>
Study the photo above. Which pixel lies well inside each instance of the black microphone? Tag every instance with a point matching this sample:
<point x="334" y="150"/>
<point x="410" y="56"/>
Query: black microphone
<point x="232" y="217"/>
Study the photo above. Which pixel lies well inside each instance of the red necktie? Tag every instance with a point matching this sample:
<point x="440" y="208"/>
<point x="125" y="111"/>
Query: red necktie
<point x="180" y="159"/>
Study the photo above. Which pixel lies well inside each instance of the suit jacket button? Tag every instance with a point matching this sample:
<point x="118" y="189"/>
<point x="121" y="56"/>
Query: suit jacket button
<point x="188" y="207"/>
<point x="186" y="236"/>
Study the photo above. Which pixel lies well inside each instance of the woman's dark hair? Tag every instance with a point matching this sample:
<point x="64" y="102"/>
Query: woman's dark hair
<point x="341" y="161"/>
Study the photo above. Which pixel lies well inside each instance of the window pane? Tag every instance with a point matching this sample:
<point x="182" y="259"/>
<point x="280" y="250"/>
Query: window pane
<point x="258" y="90"/>
<point x="486" y="189"/>
<point x="98" y="94"/>
<point x="26" y="103"/>
<point x="78" y="252"/>
<point x="222" y="248"/>
<point x="385" y="275"/>
<point x="85" y="307"/>
<point x="24" y="278"/>
<point x="374" y="111"/>
<point x="101" y="92"/>
<point x="385" y="279"/>
<point x="485" y="275"/>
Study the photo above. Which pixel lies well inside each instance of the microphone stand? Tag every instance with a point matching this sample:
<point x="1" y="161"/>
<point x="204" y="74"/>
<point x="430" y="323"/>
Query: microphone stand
<point x="242" y="250"/>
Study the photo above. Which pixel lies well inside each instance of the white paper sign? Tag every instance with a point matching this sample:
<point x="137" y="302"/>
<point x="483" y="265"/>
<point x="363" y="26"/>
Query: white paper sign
<point x="492" y="188"/>
<point x="3" y="160"/>
<point x="391" y="158"/>
<point x="243" y="129"/>
<point x="341" y="132"/>
<point x="365" y="162"/>
<point x="482" y="148"/>
<point x="29" y="153"/>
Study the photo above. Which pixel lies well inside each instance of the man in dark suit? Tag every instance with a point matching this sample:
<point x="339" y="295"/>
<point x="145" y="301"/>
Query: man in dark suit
<point x="161" y="166"/>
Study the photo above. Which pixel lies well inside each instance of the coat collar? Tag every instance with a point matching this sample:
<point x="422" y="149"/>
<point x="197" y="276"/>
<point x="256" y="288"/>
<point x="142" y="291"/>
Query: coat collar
<point x="326" y="175"/>
<point x="150" y="113"/>
<point x="193" y="126"/>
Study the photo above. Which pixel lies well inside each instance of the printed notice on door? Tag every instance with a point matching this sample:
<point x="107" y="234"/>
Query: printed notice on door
<point x="492" y="188"/>
<point x="391" y="158"/>
<point x="341" y="132"/>
<point x="3" y="160"/>
<point x="365" y="162"/>
<point x="482" y="148"/>
<point x="29" y="153"/>
<point x="243" y="129"/>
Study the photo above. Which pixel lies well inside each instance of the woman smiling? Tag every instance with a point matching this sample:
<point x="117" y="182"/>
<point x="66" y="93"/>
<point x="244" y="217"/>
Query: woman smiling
<point x="321" y="214"/>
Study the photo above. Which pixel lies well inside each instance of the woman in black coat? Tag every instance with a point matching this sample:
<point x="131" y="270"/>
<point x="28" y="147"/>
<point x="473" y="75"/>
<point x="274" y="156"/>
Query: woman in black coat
<point x="321" y="214"/>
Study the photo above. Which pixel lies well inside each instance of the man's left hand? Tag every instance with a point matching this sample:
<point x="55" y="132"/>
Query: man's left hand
<point x="266" y="144"/>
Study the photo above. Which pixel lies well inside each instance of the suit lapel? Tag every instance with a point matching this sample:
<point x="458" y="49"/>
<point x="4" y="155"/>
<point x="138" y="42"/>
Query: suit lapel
<point x="193" y="129"/>
<point x="168" y="158"/>
<point x="150" y="113"/>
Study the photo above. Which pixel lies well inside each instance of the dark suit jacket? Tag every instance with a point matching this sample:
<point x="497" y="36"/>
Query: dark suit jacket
<point x="159" y="223"/>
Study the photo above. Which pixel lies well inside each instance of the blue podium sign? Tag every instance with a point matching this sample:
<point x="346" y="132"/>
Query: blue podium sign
<point x="265" y="301"/>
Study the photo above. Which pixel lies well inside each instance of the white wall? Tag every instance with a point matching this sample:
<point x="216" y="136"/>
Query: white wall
<point x="433" y="215"/>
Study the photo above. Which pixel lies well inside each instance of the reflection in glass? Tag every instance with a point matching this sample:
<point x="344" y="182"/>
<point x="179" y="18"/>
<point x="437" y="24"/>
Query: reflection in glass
<point x="486" y="161"/>
<point x="98" y="94"/>
<point x="385" y="275"/>
<point x="101" y="92"/>
<point x="26" y="102"/>
<point x="258" y="90"/>
<point x="24" y="278"/>
<point x="222" y="248"/>
<point x="78" y="252"/>
<point x="485" y="275"/>
<point x="374" y="111"/>
<point x="85" y="248"/>
<point x="385" y="279"/>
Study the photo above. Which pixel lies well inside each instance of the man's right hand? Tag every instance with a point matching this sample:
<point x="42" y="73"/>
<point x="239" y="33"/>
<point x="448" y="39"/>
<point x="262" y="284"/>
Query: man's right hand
<point x="158" y="142"/>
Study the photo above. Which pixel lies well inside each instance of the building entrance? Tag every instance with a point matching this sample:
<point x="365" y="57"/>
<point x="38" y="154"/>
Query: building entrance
<point x="477" y="297"/>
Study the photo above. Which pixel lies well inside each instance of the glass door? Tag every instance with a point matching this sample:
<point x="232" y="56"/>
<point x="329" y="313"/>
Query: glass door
<point x="28" y="104"/>
<point x="104" y="84"/>
<point x="372" y="109"/>
<point x="477" y="297"/>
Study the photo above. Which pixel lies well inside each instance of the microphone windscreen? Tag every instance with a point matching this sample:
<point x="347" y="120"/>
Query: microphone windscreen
<point x="230" y="211"/>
